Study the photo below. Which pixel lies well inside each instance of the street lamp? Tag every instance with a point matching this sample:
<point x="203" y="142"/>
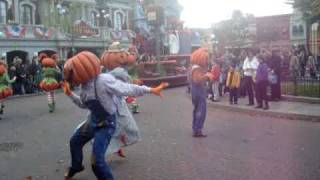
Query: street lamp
<point x="103" y="16"/>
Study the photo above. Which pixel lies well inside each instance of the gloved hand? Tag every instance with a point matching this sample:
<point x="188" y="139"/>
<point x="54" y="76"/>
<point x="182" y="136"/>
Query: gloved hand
<point x="66" y="88"/>
<point x="158" y="90"/>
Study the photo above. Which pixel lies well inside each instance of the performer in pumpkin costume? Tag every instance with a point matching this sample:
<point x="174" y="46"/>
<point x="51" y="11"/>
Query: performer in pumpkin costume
<point x="134" y="55"/>
<point x="199" y="76"/>
<point x="99" y="93"/>
<point x="116" y="61"/>
<point x="5" y="89"/>
<point x="49" y="82"/>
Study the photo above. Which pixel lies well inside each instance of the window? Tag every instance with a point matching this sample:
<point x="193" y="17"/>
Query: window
<point x="26" y="14"/>
<point x="3" y="11"/>
<point x="118" y="21"/>
<point x="94" y="18"/>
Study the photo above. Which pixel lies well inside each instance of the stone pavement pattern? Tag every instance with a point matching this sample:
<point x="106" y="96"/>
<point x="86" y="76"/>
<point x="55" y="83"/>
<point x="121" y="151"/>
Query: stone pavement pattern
<point x="238" y="147"/>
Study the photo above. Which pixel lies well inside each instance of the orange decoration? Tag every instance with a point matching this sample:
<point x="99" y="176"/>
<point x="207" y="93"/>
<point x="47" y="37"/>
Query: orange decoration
<point x="82" y="68"/>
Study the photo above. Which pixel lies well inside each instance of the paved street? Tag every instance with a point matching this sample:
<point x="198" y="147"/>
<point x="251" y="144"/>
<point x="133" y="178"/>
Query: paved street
<point x="238" y="147"/>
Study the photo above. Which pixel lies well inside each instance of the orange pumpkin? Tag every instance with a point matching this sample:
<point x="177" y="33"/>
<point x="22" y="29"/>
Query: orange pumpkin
<point x="49" y="62"/>
<point x="111" y="59"/>
<point x="3" y="69"/>
<point x="82" y="68"/>
<point x="200" y="57"/>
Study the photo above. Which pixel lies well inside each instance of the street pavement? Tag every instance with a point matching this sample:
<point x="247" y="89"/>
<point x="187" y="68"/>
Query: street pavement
<point x="239" y="146"/>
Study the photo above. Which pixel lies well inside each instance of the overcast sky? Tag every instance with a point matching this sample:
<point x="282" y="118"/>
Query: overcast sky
<point x="202" y="13"/>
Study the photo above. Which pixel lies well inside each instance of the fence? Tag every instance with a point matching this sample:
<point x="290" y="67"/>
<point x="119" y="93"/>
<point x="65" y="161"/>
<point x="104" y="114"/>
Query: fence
<point x="301" y="86"/>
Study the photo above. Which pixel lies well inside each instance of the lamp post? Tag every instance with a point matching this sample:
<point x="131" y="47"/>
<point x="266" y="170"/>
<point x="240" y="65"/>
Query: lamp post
<point x="155" y="17"/>
<point x="103" y="16"/>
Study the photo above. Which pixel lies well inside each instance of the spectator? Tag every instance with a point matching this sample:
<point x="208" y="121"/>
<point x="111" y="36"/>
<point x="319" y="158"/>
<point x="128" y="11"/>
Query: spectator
<point x="294" y="66"/>
<point x="21" y="75"/>
<point x="216" y="71"/>
<point x="250" y="66"/>
<point x="32" y="70"/>
<point x="311" y="65"/>
<point x="262" y="83"/>
<point x="233" y="83"/>
<point x="275" y="66"/>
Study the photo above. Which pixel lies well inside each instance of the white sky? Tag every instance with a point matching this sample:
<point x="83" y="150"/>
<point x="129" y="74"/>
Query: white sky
<point x="202" y="13"/>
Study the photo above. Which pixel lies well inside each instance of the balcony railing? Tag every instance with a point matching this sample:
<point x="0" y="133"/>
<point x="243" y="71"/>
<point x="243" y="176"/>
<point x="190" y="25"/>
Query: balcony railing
<point x="40" y="32"/>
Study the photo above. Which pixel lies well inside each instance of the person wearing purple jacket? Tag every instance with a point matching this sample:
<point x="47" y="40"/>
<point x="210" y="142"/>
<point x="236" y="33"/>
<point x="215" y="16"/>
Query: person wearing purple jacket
<point x="262" y="83"/>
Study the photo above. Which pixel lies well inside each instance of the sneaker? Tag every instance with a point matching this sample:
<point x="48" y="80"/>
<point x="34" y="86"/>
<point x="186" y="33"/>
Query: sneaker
<point x="250" y="104"/>
<point x="71" y="172"/>
<point x="258" y="107"/>
<point x="199" y="135"/>
<point x="236" y="103"/>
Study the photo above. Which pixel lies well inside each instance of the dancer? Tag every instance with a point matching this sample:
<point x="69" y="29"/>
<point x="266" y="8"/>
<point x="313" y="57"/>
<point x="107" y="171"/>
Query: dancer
<point x="99" y="93"/>
<point x="116" y="61"/>
<point x="199" y="76"/>
<point x="50" y="73"/>
<point x="5" y="89"/>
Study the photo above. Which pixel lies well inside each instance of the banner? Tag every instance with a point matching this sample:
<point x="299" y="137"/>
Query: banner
<point x="15" y="31"/>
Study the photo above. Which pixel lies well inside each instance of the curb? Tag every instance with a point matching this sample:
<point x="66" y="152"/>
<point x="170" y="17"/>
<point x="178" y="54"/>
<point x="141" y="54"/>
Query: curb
<point x="290" y="116"/>
<point x="310" y="100"/>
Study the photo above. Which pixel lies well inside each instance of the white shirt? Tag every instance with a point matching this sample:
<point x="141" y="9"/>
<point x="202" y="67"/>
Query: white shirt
<point x="253" y="64"/>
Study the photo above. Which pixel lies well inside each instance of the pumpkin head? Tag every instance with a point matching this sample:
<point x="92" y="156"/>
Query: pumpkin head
<point x="47" y="61"/>
<point x="3" y="69"/>
<point x="82" y="68"/>
<point x="114" y="57"/>
<point x="200" y="57"/>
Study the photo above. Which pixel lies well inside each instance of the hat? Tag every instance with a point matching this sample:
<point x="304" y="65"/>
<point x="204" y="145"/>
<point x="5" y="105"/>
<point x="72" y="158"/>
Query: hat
<point x="115" y="47"/>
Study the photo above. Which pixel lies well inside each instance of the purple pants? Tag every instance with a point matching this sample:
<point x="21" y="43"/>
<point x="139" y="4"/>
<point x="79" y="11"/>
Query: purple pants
<point x="199" y="107"/>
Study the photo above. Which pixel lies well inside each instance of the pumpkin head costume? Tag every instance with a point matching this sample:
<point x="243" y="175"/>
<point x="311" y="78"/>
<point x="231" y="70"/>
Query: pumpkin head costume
<point x="98" y="94"/>
<point x="199" y="68"/>
<point x="50" y="72"/>
<point x="5" y="88"/>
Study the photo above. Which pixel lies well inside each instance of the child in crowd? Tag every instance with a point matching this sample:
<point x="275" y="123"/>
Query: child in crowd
<point x="262" y="83"/>
<point x="233" y="83"/>
<point x="216" y="71"/>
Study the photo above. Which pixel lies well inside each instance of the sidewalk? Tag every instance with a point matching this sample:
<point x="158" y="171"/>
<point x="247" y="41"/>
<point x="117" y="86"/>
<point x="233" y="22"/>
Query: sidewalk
<point x="283" y="109"/>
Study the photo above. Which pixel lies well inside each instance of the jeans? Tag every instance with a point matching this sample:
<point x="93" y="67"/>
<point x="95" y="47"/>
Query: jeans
<point x="101" y="136"/>
<point x="233" y="98"/>
<point x="200" y="107"/>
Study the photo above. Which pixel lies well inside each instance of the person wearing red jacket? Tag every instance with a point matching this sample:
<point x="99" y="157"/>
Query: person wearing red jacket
<point x="215" y="71"/>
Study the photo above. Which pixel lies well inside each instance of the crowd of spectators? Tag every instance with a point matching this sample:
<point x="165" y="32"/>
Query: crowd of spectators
<point x="28" y="75"/>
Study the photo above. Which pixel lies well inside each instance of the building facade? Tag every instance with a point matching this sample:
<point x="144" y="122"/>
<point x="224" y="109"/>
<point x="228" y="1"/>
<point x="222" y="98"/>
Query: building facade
<point x="28" y="27"/>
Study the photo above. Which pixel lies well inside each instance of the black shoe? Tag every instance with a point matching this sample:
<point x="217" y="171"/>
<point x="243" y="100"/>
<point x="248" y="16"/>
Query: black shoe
<point x="258" y="107"/>
<point x="230" y="102"/>
<point x="1" y="111"/>
<point x="236" y="103"/>
<point x="250" y="104"/>
<point x="71" y="172"/>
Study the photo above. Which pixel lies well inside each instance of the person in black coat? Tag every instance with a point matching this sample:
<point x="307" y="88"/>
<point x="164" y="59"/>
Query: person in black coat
<point x="275" y="66"/>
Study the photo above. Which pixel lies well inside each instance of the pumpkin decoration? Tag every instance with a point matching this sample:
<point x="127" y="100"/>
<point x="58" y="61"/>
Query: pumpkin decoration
<point x="200" y="57"/>
<point x="50" y="72"/>
<point x="82" y="68"/>
<point x="114" y="57"/>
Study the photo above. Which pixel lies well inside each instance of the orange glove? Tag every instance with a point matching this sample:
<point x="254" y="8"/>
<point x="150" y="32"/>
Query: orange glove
<point x="66" y="88"/>
<point x="158" y="90"/>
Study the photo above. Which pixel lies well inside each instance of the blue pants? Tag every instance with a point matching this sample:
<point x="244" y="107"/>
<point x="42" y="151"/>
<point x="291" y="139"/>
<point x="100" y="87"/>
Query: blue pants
<point x="101" y="136"/>
<point x="199" y="96"/>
